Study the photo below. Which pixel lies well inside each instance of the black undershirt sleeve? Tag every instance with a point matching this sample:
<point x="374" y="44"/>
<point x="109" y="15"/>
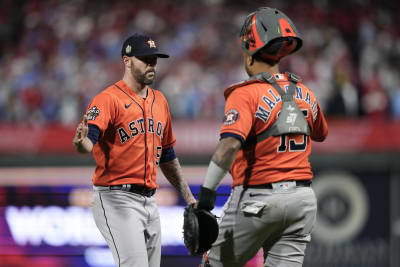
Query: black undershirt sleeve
<point x="225" y="135"/>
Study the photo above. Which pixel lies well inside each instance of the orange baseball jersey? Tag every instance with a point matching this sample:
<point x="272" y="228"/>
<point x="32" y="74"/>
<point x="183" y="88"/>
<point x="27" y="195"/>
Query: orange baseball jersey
<point x="252" y="107"/>
<point x="134" y="131"/>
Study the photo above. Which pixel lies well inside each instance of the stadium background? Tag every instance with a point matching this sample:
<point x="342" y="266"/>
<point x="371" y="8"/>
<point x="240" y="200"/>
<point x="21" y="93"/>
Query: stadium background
<point x="56" y="55"/>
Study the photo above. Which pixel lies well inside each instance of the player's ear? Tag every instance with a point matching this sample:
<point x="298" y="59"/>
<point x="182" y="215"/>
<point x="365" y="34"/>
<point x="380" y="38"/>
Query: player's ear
<point x="250" y="60"/>
<point x="127" y="61"/>
<point x="247" y="59"/>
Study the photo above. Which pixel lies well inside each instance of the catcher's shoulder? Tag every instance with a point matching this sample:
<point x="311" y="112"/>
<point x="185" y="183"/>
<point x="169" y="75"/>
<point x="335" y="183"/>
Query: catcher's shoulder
<point x="244" y="85"/>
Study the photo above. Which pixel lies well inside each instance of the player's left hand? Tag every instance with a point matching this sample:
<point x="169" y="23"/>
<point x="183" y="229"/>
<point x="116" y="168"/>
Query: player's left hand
<point x="81" y="132"/>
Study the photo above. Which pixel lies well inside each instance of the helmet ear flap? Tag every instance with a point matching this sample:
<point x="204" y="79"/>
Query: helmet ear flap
<point x="273" y="47"/>
<point x="278" y="48"/>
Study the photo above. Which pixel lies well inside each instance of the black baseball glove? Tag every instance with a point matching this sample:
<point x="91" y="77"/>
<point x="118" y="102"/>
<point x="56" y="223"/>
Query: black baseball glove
<point x="200" y="229"/>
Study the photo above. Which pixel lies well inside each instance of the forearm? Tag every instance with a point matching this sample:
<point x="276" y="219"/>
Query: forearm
<point x="221" y="162"/>
<point x="173" y="172"/>
<point x="84" y="146"/>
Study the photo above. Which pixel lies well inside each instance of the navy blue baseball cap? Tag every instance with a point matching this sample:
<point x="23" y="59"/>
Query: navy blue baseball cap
<point x="141" y="45"/>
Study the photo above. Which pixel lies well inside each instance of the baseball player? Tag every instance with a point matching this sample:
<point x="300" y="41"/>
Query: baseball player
<point x="270" y="120"/>
<point x="128" y="128"/>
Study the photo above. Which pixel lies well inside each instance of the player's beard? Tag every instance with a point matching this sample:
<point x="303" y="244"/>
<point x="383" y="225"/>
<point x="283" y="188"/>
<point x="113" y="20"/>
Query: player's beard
<point x="148" y="78"/>
<point x="145" y="78"/>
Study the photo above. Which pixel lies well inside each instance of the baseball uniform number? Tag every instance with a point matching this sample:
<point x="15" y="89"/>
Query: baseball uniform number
<point x="293" y="146"/>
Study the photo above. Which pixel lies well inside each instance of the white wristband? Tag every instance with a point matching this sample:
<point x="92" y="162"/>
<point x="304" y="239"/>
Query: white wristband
<point x="214" y="176"/>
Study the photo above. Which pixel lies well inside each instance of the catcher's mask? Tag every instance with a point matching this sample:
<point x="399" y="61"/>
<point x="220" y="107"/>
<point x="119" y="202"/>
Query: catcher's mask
<point x="271" y="33"/>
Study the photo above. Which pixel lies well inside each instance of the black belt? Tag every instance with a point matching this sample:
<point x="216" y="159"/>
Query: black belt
<point x="299" y="183"/>
<point x="134" y="188"/>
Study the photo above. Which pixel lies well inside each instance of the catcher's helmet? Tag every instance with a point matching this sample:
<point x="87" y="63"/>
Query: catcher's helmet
<point x="270" y="32"/>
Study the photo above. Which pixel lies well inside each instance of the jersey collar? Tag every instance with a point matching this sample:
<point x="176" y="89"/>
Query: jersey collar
<point x="279" y="77"/>
<point x="132" y="94"/>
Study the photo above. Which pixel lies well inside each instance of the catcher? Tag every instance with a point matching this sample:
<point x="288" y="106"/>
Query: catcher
<point x="269" y="123"/>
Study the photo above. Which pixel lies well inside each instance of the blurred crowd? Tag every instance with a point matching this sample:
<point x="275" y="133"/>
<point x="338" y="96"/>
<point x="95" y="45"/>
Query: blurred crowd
<point x="56" y="55"/>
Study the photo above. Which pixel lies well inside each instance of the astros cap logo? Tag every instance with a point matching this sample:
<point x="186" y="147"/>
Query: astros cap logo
<point x="151" y="43"/>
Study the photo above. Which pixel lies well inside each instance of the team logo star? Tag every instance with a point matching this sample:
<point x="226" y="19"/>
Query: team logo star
<point x="230" y="117"/>
<point x="151" y="43"/>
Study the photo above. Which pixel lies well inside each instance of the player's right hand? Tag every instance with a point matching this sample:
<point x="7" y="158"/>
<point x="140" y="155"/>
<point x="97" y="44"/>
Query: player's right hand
<point x="207" y="199"/>
<point x="81" y="132"/>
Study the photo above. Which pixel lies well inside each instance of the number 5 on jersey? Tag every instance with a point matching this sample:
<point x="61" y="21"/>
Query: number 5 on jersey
<point x="158" y="154"/>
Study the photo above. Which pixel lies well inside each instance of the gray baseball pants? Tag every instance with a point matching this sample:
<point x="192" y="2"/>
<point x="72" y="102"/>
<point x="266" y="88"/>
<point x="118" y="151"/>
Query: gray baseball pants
<point x="130" y="223"/>
<point x="278" y="220"/>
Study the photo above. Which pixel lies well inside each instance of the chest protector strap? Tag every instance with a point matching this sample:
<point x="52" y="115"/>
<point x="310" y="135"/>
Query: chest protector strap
<point x="291" y="119"/>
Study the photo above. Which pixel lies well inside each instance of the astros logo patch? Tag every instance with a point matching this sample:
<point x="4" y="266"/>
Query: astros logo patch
<point x="93" y="113"/>
<point x="231" y="116"/>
